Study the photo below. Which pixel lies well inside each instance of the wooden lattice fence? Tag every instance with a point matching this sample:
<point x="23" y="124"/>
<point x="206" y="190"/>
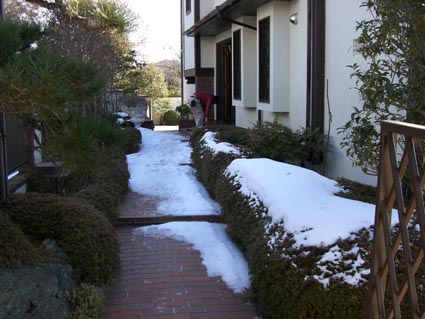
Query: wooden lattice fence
<point x="397" y="282"/>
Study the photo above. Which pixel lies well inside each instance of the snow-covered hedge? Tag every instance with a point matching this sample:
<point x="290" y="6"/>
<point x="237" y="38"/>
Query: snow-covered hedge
<point x="308" y="258"/>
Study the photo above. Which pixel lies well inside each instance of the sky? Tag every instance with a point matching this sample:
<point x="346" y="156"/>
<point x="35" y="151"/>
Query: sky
<point x="305" y="200"/>
<point x="160" y="26"/>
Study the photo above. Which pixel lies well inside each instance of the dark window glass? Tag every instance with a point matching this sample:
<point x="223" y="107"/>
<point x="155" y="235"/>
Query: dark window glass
<point x="188" y="6"/>
<point x="237" y="65"/>
<point x="264" y="60"/>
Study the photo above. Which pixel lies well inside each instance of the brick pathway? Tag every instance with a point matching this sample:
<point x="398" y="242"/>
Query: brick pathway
<point x="140" y="210"/>
<point x="163" y="278"/>
<point x="136" y="205"/>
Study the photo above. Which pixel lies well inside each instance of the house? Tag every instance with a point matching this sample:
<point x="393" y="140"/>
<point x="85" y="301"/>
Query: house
<point x="285" y="60"/>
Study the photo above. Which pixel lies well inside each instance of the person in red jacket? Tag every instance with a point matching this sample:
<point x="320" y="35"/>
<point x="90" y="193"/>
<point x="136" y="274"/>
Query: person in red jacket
<point x="200" y="106"/>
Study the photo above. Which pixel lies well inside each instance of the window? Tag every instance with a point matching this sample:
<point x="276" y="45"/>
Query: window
<point x="264" y="60"/>
<point x="237" y="65"/>
<point x="188" y="6"/>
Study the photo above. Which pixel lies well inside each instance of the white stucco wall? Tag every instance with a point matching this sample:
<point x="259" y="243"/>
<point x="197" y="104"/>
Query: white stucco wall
<point x="297" y="66"/>
<point x="189" y="53"/>
<point x="189" y="42"/>
<point x="207" y="6"/>
<point x="341" y="17"/>
<point x="246" y="117"/>
<point x="248" y="64"/>
<point x="208" y="52"/>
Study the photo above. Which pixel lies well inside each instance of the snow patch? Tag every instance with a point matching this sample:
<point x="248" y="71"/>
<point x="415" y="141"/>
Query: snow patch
<point x="219" y="255"/>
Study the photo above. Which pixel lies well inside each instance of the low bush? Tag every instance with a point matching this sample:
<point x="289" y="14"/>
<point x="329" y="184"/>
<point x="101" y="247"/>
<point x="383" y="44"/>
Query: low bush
<point x="275" y="141"/>
<point x="100" y="197"/>
<point x="15" y="249"/>
<point x="88" y="302"/>
<point x="133" y="138"/>
<point x="82" y="232"/>
<point x="237" y="136"/>
<point x="283" y="276"/>
<point x="103" y="188"/>
<point x="171" y="117"/>
<point x="209" y="166"/>
<point x="184" y="111"/>
<point x="357" y="191"/>
<point x="106" y="188"/>
<point x="272" y="140"/>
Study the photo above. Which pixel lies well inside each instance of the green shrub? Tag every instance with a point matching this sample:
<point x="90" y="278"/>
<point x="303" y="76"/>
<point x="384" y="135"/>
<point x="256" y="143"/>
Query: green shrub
<point x="237" y="136"/>
<point x="82" y="142"/>
<point x="357" y="191"/>
<point x="114" y="177"/>
<point x="184" y="111"/>
<point x="312" y="145"/>
<point x="171" y="117"/>
<point x="15" y="249"/>
<point x="133" y="138"/>
<point x="82" y="232"/>
<point x="275" y="141"/>
<point x="104" y="201"/>
<point x="106" y="188"/>
<point x="210" y="166"/>
<point x="280" y="272"/>
<point x="103" y="189"/>
<point x="88" y="301"/>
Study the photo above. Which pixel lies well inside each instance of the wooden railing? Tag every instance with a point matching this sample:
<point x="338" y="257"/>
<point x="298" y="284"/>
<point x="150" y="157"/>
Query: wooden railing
<point x="398" y="250"/>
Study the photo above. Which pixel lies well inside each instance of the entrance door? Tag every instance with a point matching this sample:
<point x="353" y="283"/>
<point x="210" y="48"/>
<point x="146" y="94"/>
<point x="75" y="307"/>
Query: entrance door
<point x="225" y="109"/>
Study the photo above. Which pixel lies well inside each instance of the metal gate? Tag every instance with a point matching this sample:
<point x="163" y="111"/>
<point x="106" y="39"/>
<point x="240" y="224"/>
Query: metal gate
<point x="397" y="280"/>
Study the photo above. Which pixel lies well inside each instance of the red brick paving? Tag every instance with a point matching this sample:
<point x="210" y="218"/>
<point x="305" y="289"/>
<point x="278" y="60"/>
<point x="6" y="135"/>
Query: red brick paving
<point x="140" y="210"/>
<point x="136" y="205"/>
<point x="164" y="278"/>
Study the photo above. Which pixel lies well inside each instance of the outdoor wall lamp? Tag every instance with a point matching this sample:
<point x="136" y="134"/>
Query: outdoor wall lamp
<point x="293" y="18"/>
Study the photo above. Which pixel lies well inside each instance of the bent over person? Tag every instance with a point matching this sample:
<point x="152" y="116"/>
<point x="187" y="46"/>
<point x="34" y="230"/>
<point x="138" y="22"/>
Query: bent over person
<point x="200" y="106"/>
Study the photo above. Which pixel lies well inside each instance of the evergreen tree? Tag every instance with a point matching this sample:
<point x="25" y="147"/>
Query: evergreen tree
<point x="393" y="43"/>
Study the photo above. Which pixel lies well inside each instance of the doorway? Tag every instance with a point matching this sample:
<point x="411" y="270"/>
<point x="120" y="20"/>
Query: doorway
<point x="225" y="109"/>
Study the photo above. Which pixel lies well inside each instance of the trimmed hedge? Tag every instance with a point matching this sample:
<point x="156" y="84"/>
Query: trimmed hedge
<point x="106" y="188"/>
<point x="15" y="248"/>
<point x="103" y="189"/>
<point x="282" y="275"/>
<point x="82" y="232"/>
<point x="133" y="139"/>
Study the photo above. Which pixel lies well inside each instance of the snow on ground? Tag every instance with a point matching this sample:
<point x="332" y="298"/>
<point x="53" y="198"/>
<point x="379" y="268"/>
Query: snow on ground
<point x="219" y="255"/>
<point x="161" y="168"/>
<point x="304" y="199"/>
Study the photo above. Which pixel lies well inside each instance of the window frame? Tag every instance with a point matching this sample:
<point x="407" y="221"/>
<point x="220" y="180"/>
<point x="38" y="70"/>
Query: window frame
<point x="188" y="6"/>
<point x="237" y="65"/>
<point x="264" y="37"/>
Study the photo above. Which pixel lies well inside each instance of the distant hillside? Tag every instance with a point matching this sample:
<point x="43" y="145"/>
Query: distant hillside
<point x="172" y="71"/>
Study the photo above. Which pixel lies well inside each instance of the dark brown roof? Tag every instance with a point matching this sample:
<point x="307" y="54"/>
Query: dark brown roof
<point x="219" y="20"/>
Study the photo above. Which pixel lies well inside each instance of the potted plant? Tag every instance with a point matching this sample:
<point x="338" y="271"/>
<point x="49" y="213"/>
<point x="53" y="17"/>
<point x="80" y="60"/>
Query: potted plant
<point x="186" y="118"/>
